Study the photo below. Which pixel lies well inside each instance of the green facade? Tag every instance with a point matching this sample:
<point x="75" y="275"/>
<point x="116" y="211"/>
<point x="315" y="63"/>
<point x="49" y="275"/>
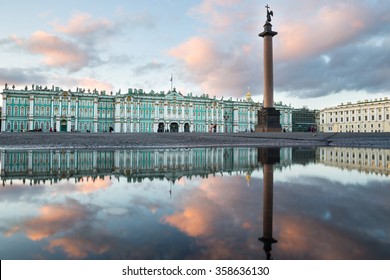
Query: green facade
<point x="136" y="111"/>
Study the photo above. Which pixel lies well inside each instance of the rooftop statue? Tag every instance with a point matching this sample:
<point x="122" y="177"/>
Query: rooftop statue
<point x="269" y="14"/>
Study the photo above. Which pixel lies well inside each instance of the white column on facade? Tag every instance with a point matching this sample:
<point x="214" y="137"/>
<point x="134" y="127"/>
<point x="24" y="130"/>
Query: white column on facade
<point x="117" y="116"/>
<point x="125" y="117"/>
<point x="95" y="115"/>
<point x="191" y="112"/>
<point x="156" y="110"/>
<point x="212" y="114"/>
<point x="69" y="124"/>
<point x="132" y="117"/>
<point x="68" y="108"/>
<point x="52" y="113"/>
<point x="31" y="113"/>
<point x="4" y="113"/>
<point x="249" y="120"/>
<point x="235" y="119"/>
<point x="207" y="114"/>
<point x="76" y="115"/>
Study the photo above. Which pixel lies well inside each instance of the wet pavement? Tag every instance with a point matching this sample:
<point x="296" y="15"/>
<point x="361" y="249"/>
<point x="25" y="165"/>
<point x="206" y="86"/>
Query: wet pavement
<point x="42" y="140"/>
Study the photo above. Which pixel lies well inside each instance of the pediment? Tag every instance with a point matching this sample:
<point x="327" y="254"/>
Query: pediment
<point x="65" y="93"/>
<point x="174" y="95"/>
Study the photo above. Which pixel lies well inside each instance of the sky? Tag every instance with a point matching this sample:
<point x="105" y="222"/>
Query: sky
<point x="325" y="53"/>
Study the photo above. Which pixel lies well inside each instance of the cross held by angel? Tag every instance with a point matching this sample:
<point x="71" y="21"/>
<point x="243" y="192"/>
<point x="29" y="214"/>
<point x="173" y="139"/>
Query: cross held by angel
<point x="269" y="14"/>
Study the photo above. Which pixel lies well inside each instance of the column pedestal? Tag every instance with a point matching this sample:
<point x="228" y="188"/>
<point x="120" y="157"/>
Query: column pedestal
<point x="268" y="120"/>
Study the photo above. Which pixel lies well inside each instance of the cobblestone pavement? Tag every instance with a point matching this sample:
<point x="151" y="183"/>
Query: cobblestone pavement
<point x="41" y="140"/>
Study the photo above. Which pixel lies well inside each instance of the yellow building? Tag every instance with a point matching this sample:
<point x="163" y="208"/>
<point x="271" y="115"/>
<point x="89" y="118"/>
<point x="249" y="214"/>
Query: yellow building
<point x="363" y="116"/>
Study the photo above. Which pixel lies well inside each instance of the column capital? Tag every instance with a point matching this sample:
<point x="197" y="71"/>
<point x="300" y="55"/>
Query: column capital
<point x="268" y="30"/>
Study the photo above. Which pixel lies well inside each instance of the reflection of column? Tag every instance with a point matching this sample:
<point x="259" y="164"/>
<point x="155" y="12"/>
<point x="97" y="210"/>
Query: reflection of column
<point x="268" y="157"/>
<point x="268" y="188"/>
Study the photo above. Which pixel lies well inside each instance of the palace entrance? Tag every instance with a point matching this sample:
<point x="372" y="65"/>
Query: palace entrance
<point x="174" y="127"/>
<point x="186" y="127"/>
<point x="64" y="126"/>
<point x="161" y="127"/>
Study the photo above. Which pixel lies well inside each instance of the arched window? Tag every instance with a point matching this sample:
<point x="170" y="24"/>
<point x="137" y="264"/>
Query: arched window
<point x="9" y="110"/>
<point x="22" y="112"/>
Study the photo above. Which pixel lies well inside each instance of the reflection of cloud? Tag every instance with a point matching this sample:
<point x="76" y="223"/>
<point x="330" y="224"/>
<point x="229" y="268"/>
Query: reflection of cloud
<point x="78" y="247"/>
<point x="52" y="219"/>
<point x="93" y="185"/>
<point x="313" y="239"/>
<point x="193" y="221"/>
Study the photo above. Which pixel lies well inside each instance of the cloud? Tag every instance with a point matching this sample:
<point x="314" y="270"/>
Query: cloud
<point x="332" y="25"/>
<point x="219" y="71"/>
<point x="21" y="76"/>
<point x="322" y="48"/>
<point x="56" y="52"/>
<point x="82" y="24"/>
<point x="217" y="13"/>
<point x="69" y="82"/>
<point x="95" y="84"/>
<point x="148" y="67"/>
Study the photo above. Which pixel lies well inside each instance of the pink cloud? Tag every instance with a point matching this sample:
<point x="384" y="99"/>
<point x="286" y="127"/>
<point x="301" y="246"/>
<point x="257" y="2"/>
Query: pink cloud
<point x="216" y="71"/>
<point x="82" y="24"/>
<point x="56" y="52"/>
<point x="91" y="83"/>
<point x="314" y="33"/>
<point x="198" y="54"/>
<point x="217" y="13"/>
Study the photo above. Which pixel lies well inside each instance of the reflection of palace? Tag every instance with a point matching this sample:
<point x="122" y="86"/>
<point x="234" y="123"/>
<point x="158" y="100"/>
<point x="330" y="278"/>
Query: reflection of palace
<point x="365" y="160"/>
<point x="136" y="165"/>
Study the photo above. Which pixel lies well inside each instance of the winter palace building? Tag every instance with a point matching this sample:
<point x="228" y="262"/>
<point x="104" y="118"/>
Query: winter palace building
<point x="55" y="109"/>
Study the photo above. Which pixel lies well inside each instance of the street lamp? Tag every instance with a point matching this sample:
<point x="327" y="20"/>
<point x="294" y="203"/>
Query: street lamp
<point x="226" y="118"/>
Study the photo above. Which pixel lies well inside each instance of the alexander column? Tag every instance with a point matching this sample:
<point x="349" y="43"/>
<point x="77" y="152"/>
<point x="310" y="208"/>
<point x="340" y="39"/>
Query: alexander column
<point x="268" y="116"/>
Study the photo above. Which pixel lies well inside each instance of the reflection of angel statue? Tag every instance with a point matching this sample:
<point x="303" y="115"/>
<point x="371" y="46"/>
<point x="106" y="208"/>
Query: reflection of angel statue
<point x="269" y="14"/>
